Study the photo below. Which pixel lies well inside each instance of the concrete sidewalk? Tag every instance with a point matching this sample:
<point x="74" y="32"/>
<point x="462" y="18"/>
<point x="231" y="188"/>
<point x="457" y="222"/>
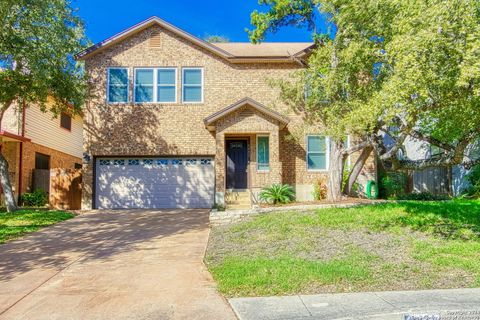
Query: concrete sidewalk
<point x="449" y="304"/>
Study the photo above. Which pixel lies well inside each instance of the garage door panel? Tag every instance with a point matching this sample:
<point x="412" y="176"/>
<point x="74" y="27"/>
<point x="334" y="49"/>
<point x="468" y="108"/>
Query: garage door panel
<point x="155" y="183"/>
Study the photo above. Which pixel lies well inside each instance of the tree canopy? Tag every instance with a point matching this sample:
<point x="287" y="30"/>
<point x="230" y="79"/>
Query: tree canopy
<point x="396" y="67"/>
<point x="37" y="42"/>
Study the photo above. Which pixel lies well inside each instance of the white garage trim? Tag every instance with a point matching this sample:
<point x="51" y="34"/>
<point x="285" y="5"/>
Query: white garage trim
<point x="153" y="182"/>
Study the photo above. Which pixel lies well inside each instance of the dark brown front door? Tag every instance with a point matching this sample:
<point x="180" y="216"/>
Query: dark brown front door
<point x="237" y="164"/>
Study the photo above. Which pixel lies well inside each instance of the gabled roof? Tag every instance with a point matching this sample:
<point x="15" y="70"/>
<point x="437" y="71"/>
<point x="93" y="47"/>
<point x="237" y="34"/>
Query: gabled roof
<point x="211" y="119"/>
<point x="234" y="52"/>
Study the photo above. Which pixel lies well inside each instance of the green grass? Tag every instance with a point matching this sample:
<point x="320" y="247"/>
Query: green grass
<point x="392" y="246"/>
<point x="16" y="224"/>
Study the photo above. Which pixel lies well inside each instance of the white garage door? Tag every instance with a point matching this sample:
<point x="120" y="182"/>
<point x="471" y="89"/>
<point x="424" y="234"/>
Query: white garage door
<point x="154" y="183"/>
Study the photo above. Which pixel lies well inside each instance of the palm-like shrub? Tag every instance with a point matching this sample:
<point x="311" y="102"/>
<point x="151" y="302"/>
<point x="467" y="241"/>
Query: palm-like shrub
<point x="277" y="193"/>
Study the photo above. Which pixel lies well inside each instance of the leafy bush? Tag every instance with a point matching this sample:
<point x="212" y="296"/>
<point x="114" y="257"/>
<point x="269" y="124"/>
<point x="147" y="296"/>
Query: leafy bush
<point x="393" y="185"/>
<point x="474" y="179"/>
<point x="319" y="190"/>
<point x="37" y="198"/>
<point x="277" y="193"/>
<point x="423" y="196"/>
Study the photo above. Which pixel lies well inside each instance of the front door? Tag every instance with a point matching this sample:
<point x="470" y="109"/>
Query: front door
<point x="237" y="164"/>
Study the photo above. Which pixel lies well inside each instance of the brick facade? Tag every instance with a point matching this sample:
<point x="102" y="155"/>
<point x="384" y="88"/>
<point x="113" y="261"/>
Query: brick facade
<point x="57" y="160"/>
<point x="162" y="129"/>
<point x="11" y="152"/>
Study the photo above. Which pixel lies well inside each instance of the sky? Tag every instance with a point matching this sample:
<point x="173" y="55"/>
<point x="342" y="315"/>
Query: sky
<point x="104" y="18"/>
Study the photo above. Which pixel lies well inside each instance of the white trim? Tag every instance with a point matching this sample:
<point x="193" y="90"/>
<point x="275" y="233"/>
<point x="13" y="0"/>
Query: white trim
<point x="202" y="84"/>
<point x="256" y="156"/>
<point x="327" y="153"/>
<point x="107" y="98"/>
<point x="157" y="86"/>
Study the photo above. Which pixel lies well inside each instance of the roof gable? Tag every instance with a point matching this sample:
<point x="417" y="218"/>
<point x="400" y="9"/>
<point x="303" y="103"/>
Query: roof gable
<point x="211" y="119"/>
<point x="234" y="52"/>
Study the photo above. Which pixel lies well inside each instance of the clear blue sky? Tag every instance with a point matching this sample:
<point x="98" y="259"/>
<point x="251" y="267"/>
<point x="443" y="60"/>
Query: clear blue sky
<point x="104" y="18"/>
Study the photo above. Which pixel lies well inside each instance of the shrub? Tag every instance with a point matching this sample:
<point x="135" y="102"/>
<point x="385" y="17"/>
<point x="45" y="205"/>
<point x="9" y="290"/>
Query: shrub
<point x="393" y="185"/>
<point x="319" y="190"/>
<point x="423" y="196"/>
<point x="37" y="198"/>
<point x="474" y="179"/>
<point x="277" y="193"/>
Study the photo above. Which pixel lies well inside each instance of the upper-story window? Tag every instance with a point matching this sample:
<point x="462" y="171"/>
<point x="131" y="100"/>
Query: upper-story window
<point x="166" y="85"/>
<point x="192" y="81"/>
<point x="155" y="85"/>
<point x="65" y="121"/>
<point x="317" y="153"/>
<point x="144" y="83"/>
<point x="117" y="90"/>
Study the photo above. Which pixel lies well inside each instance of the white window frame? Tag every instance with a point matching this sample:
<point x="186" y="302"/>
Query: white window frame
<point x="327" y="153"/>
<point x="154" y="94"/>
<point x="263" y="170"/>
<point x="156" y="85"/>
<point x="202" y="85"/>
<point x="108" y="85"/>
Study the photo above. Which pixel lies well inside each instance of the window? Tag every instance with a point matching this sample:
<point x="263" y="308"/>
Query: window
<point x="144" y="85"/>
<point x="65" y="121"/>
<point x="155" y="85"/>
<point x="192" y="90"/>
<point x="317" y="157"/>
<point x="117" y="90"/>
<point x="263" y="153"/>
<point x="42" y="161"/>
<point x="166" y="85"/>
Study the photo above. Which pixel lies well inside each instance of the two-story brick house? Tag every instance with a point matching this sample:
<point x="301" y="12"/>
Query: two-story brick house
<point x="35" y="140"/>
<point x="174" y="121"/>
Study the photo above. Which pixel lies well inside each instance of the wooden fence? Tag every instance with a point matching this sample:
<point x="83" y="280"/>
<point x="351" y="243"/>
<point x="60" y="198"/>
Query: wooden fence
<point x="433" y="180"/>
<point x="66" y="189"/>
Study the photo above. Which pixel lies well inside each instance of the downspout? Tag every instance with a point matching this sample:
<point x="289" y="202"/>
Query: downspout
<point x="20" y="165"/>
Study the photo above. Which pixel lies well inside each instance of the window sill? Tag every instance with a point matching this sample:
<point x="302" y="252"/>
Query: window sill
<point x="317" y="170"/>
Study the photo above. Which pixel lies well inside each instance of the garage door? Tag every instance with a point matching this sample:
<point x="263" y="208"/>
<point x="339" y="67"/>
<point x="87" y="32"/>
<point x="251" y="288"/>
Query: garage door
<point x="154" y="183"/>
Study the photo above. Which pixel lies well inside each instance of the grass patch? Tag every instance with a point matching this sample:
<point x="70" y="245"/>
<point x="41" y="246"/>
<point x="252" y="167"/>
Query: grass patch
<point x="288" y="275"/>
<point x="18" y="223"/>
<point x="394" y="246"/>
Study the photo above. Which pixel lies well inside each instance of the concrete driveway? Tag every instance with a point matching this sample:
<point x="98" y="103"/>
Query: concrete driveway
<point x="132" y="264"/>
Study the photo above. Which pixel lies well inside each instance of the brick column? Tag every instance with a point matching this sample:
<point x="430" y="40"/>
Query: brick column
<point x="220" y="168"/>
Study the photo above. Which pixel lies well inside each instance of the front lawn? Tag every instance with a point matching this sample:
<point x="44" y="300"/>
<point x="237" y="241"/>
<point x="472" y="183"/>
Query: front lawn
<point x="16" y="224"/>
<point x="394" y="246"/>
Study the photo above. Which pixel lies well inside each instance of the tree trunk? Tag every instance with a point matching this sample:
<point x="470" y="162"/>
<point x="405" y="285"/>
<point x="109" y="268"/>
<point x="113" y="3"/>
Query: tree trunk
<point x="7" y="187"/>
<point x="357" y="168"/>
<point x="335" y="171"/>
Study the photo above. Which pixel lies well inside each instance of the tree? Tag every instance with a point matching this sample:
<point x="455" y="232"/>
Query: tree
<point x="216" y="39"/>
<point x="37" y="43"/>
<point x="394" y="68"/>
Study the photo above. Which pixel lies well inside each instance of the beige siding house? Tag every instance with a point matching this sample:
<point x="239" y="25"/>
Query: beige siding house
<point x="32" y="139"/>
<point x="174" y="121"/>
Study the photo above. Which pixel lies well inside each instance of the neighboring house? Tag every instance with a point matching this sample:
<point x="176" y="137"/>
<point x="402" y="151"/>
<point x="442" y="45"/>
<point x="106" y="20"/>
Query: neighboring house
<point x="33" y="142"/>
<point x="176" y="122"/>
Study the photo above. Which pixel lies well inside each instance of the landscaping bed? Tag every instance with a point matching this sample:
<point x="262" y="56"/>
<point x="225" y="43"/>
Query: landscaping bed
<point x="18" y="223"/>
<point x="390" y="246"/>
